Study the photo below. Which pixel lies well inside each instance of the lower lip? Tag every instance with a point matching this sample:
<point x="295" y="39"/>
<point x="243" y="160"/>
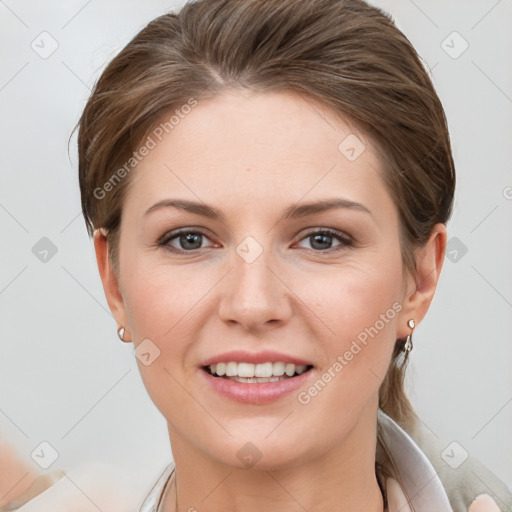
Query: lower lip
<point x="255" y="393"/>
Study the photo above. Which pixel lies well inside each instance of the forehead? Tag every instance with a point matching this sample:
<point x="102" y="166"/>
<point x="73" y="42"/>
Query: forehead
<point x="267" y="146"/>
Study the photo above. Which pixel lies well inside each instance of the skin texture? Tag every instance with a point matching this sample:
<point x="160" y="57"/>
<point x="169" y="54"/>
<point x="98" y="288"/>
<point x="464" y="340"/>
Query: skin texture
<point x="16" y="475"/>
<point x="252" y="156"/>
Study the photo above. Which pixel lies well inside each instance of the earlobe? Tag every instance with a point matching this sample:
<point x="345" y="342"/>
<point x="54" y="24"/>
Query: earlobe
<point x="109" y="278"/>
<point x="422" y="284"/>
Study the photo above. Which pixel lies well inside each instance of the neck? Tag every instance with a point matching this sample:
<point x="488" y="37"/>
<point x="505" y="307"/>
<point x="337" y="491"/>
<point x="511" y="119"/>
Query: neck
<point x="341" y="478"/>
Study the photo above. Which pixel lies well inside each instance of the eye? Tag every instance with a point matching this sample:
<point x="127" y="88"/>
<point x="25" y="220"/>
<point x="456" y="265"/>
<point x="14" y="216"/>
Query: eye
<point x="187" y="239"/>
<point x="321" y="240"/>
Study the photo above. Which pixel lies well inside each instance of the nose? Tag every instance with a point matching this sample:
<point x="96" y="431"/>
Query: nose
<point x="254" y="294"/>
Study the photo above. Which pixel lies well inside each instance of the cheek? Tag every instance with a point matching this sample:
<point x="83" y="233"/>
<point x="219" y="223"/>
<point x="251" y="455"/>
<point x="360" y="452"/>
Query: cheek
<point x="361" y="306"/>
<point x="158" y="298"/>
<point x="160" y="310"/>
<point x="356" y="296"/>
<point x="161" y="328"/>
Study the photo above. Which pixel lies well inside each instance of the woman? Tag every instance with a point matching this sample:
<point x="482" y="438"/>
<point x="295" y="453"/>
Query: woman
<point x="268" y="186"/>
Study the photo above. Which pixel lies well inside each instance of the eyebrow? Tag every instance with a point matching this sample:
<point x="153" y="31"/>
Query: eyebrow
<point x="292" y="212"/>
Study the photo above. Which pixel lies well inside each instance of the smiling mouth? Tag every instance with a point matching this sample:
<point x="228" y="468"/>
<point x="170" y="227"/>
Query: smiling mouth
<point x="256" y="373"/>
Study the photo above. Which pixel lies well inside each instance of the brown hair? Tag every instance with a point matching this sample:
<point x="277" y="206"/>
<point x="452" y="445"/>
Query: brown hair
<point x="344" y="53"/>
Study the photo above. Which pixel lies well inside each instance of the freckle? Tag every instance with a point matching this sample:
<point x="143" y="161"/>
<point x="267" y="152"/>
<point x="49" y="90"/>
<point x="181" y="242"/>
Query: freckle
<point x="248" y="169"/>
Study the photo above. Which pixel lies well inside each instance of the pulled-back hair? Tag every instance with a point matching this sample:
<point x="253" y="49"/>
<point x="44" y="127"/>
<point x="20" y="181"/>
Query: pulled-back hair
<point x="344" y="53"/>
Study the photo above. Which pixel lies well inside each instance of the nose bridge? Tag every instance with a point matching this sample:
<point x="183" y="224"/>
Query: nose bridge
<point x="255" y="296"/>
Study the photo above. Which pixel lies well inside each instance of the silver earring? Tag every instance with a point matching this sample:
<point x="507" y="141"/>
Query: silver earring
<point x="120" y="333"/>
<point x="408" y="346"/>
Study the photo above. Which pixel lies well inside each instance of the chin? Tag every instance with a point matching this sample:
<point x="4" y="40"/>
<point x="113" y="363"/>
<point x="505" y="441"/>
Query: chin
<point x="257" y="451"/>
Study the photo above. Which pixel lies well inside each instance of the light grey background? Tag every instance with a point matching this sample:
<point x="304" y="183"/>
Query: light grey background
<point x="65" y="378"/>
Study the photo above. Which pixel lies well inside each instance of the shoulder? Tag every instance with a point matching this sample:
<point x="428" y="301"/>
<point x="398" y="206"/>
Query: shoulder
<point x="470" y="486"/>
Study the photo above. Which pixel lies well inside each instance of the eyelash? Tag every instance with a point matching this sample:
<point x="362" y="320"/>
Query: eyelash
<point x="346" y="241"/>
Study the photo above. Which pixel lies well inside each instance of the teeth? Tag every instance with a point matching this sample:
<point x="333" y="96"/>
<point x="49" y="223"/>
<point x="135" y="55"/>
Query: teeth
<point x="278" y="369"/>
<point x="231" y="369"/>
<point x="261" y="370"/>
<point x="255" y="380"/>
<point x="256" y="371"/>
<point x="289" y="369"/>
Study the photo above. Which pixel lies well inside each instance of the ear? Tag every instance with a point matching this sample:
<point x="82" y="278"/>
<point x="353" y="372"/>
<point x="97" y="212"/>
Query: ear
<point x="421" y="285"/>
<point x="110" y="280"/>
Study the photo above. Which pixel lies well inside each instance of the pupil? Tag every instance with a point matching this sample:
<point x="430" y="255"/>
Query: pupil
<point x="323" y="239"/>
<point x="189" y="238"/>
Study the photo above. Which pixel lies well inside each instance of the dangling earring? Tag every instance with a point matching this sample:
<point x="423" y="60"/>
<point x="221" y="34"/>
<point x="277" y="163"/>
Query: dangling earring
<point x="408" y="346"/>
<point x="120" y="333"/>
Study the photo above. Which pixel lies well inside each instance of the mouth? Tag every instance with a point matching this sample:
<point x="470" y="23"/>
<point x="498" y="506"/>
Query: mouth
<point x="249" y="373"/>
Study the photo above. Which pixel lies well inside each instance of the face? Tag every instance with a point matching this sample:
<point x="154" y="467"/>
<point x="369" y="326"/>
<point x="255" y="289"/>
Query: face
<point x="248" y="267"/>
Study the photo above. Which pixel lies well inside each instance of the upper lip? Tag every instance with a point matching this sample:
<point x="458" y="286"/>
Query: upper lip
<point x="264" y="356"/>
